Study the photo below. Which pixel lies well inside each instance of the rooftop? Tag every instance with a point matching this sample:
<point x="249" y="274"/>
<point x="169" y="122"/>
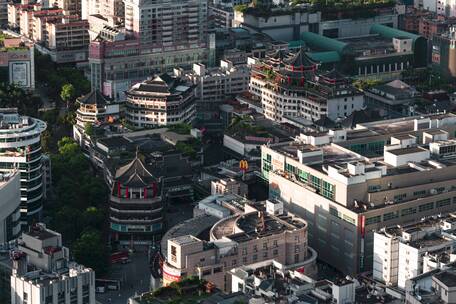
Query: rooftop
<point x="259" y="224"/>
<point x="447" y="277"/>
<point x="405" y="151"/>
<point x="41" y="233"/>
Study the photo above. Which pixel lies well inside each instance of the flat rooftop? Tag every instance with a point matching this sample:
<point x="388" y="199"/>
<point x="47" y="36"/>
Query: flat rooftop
<point x="405" y="151"/>
<point x="40" y="234"/>
<point x="447" y="277"/>
<point x="260" y="224"/>
<point x="185" y="239"/>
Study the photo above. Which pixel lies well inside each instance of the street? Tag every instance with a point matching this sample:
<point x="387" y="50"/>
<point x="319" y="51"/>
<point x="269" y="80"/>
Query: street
<point x="135" y="277"/>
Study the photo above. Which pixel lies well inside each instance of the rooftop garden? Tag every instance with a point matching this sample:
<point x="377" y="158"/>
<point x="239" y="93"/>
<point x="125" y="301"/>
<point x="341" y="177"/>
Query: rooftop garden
<point x="245" y="126"/>
<point x="190" y="147"/>
<point x="330" y="9"/>
<point x="4" y="36"/>
<point x="181" y="128"/>
<point x="186" y="291"/>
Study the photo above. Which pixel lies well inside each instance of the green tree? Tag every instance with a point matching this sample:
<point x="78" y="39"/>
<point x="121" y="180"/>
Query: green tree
<point x="67" y="93"/>
<point x="13" y="96"/>
<point x="88" y="129"/>
<point x="89" y="250"/>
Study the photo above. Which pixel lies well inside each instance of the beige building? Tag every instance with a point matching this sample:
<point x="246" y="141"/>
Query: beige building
<point x="56" y="32"/>
<point x="258" y="234"/>
<point x="229" y="186"/>
<point x="67" y="33"/>
<point x="346" y="183"/>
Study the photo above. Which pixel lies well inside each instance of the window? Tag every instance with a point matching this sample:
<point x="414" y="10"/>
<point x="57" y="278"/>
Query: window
<point x="328" y="190"/>
<point x="244" y="260"/>
<point x="390" y="215"/>
<point x="275" y="252"/>
<point x="408" y="211"/>
<point x="400" y="197"/>
<point x="374" y="188"/>
<point x="244" y="251"/>
<point x="373" y="220"/>
<point x="419" y="193"/>
<point x="265" y="246"/>
<point x="274" y="243"/>
<point x="233" y="263"/>
<point x="255" y="248"/>
<point x="333" y="211"/>
<point x="443" y="203"/>
<point x="265" y="254"/>
<point x="348" y="219"/>
<point x="426" y="207"/>
<point x="173" y="253"/>
<point x="217" y="269"/>
<point x="297" y="249"/>
<point x="255" y="257"/>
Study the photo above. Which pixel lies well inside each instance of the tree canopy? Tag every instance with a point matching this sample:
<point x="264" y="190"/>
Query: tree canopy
<point x="78" y="209"/>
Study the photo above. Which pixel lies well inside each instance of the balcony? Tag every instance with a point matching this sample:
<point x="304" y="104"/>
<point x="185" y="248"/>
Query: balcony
<point x="120" y="200"/>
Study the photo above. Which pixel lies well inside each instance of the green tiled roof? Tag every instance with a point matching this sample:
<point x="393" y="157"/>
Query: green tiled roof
<point x="390" y="33"/>
<point x="324" y="57"/>
<point x="323" y="43"/>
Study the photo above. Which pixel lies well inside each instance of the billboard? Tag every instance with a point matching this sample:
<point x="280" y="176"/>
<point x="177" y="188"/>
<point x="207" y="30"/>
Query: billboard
<point x="19" y="72"/>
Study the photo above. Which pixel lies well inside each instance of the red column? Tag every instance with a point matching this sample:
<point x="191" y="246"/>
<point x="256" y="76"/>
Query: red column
<point x="145" y="192"/>
<point x="127" y="195"/>
<point x="154" y="187"/>
<point x="118" y="190"/>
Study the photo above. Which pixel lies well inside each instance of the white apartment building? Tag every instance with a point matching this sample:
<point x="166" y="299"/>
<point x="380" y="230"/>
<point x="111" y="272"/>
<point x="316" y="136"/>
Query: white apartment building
<point x="20" y="147"/>
<point x="163" y="100"/>
<point x="106" y="9"/>
<point x="216" y="85"/>
<point x="43" y="273"/>
<point x="287" y="85"/>
<point x="402" y="253"/>
<point x="10" y="224"/>
<point x="168" y="22"/>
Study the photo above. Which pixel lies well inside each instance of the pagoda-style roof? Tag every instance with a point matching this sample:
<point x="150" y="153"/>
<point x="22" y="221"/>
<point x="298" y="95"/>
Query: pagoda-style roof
<point x="94" y="98"/>
<point x="300" y="60"/>
<point x="135" y="174"/>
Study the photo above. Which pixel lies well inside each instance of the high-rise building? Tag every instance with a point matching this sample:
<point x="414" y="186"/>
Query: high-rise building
<point x="348" y="183"/>
<point x="43" y="273"/>
<point x="159" y="35"/>
<point x="216" y="85"/>
<point x="20" y="147"/>
<point x="107" y="9"/>
<point x="136" y="204"/>
<point x="10" y="225"/>
<point x="161" y="101"/>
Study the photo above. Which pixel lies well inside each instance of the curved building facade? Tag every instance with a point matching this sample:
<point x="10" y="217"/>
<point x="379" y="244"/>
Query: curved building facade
<point x="10" y="224"/>
<point x="20" y="147"/>
<point x="257" y="235"/>
<point x="163" y="100"/>
<point x="136" y="205"/>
